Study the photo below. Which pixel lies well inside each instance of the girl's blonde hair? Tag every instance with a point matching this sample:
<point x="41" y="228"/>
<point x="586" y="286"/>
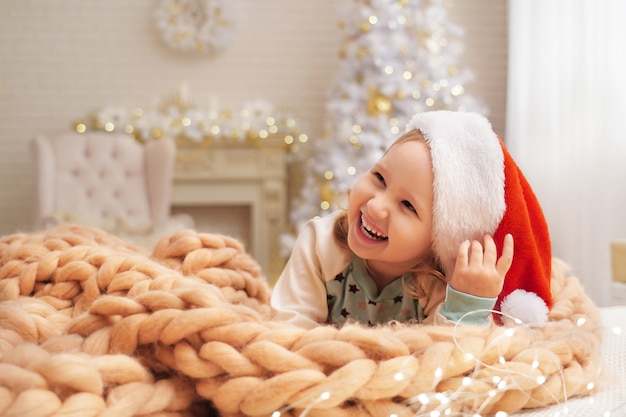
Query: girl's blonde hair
<point x="429" y="267"/>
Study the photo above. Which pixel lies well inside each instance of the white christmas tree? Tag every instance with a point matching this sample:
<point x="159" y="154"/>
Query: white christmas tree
<point x="400" y="57"/>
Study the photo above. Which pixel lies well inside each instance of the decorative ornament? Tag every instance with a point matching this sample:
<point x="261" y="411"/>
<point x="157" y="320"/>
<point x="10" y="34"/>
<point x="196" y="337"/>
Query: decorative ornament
<point x="378" y="103"/>
<point x="202" y="26"/>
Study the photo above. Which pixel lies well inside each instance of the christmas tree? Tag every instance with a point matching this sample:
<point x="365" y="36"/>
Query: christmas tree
<point x="400" y="57"/>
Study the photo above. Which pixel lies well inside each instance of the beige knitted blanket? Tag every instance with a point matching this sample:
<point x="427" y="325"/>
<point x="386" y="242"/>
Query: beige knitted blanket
<point x="93" y="326"/>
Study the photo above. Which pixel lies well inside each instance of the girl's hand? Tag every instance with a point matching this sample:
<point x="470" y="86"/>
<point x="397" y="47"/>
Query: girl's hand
<point x="478" y="271"/>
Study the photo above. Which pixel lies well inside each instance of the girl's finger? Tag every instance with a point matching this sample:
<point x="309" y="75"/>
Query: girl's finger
<point x="462" y="254"/>
<point x="491" y="252"/>
<point x="506" y="259"/>
<point x="476" y="253"/>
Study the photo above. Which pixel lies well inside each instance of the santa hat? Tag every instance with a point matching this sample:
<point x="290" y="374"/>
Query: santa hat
<point x="478" y="190"/>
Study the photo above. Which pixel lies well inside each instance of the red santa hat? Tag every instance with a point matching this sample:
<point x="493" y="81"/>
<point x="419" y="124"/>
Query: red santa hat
<point x="478" y="190"/>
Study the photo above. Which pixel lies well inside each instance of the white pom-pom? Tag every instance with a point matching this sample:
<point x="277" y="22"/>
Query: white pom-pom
<point x="524" y="306"/>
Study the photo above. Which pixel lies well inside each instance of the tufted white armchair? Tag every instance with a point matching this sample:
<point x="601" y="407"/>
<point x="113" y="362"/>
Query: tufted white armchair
<point x="108" y="181"/>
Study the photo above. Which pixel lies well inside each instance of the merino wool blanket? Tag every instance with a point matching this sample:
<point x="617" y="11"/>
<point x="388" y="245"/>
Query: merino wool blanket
<point x="91" y="325"/>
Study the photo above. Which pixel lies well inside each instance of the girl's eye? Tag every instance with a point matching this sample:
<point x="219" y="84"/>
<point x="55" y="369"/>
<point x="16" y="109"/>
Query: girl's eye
<point x="408" y="205"/>
<point x="379" y="177"/>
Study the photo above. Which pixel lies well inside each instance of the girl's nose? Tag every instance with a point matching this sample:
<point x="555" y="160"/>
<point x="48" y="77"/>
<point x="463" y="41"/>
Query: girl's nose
<point x="377" y="207"/>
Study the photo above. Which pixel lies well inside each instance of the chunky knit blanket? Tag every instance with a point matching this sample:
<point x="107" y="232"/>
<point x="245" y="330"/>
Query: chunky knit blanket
<point x="93" y="326"/>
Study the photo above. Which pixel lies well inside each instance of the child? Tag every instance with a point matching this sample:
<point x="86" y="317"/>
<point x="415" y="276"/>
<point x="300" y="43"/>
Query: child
<point x="427" y="237"/>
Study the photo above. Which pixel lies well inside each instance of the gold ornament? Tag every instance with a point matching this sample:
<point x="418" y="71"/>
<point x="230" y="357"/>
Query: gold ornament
<point x="378" y="104"/>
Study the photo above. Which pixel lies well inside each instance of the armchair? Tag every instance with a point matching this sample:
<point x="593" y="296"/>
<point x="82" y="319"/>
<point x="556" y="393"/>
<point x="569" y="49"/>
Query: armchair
<point x="106" y="180"/>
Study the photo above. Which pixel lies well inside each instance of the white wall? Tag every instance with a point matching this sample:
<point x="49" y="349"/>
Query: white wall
<point x="61" y="59"/>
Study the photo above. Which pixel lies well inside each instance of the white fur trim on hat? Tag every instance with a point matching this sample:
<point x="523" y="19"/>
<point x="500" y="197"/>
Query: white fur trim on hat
<point x="468" y="168"/>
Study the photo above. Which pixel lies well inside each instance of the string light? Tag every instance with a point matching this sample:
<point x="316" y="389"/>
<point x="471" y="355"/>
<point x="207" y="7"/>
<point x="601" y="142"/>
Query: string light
<point x="423" y="399"/>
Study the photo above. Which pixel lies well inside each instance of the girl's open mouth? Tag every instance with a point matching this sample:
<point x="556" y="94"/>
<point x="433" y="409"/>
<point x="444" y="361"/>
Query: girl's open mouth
<point x="370" y="232"/>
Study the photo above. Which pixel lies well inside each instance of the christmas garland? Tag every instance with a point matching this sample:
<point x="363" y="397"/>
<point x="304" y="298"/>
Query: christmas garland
<point x="202" y="26"/>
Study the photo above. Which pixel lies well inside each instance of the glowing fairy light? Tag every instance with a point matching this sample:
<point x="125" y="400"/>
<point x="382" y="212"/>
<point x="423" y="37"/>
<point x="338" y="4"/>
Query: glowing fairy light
<point x="509" y="332"/>
<point x="467" y="381"/>
<point x="535" y="364"/>
<point x="325" y="395"/>
<point x="276" y="414"/>
<point x="442" y="398"/>
<point x="591" y="385"/>
<point x="438" y="373"/>
<point x="502" y="414"/>
<point x="398" y="376"/>
<point x="541" y="380"/>
<point x="581" y="321"/>
<point x="502" y="360"/>
<point x="423" y="399"/>
<point x="469" y="356"/>
<point x="457" y="90"/>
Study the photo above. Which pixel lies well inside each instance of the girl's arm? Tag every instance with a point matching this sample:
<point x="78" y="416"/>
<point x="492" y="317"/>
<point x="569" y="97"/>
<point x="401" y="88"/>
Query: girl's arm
<point x="299" y="295"/>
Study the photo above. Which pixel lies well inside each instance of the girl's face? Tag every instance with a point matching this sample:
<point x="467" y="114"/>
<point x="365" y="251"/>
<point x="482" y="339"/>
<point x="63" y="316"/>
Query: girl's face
<point x="390" y="210"/>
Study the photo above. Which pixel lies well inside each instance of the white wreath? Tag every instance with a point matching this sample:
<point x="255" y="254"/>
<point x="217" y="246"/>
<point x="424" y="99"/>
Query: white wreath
<point x="202" y="26"/>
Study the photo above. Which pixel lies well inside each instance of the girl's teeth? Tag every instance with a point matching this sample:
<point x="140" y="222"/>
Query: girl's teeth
<point x="370" y="232"/>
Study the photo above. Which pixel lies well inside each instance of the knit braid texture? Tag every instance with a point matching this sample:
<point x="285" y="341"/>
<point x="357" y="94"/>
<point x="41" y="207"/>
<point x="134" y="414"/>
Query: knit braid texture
<point x="91" y="325"/>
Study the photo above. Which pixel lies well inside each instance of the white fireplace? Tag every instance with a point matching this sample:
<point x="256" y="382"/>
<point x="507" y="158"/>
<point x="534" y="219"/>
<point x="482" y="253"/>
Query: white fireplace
<point x="240" y="191"/>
